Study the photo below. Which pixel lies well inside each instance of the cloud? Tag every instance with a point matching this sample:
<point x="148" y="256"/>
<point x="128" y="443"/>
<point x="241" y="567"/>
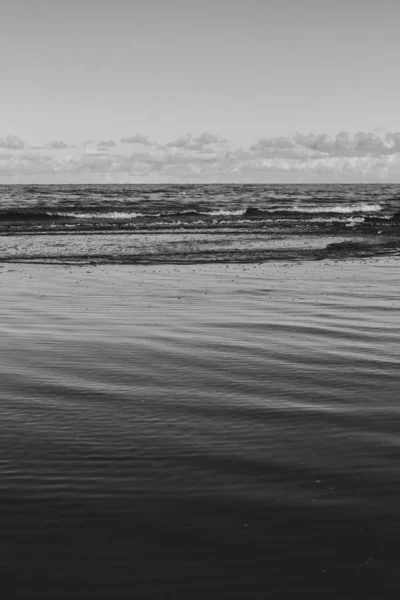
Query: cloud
<point x="181" y="142"/>
<point x="58" y="145"/>
<point x="342" y="144"/>
<point x="326" y="169"/>
<point x="321" y="145"/>
<point x="95" y="152"/>
<point x="137" y="138"/>
<point x="301" y="157"/>
<point x="392" y="142"/>
<point x="12" y="142"/>
<point x="30" y="164"/>
<point x="106" y="144"/>
<point x="199" y="143"/>
<point x="273" y="144"/>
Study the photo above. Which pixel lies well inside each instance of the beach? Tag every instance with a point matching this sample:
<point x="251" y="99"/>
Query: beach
<point x="194" y="431"/>
<point x="199" y="300"/>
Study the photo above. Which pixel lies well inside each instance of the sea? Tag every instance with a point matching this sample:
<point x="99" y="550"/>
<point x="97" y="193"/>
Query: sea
<point x="200" y="392"/>
<point x="145" y="224"/>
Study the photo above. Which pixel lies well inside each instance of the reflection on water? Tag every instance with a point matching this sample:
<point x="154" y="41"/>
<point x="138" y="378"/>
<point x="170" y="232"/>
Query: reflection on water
<point x="209" y="430"/>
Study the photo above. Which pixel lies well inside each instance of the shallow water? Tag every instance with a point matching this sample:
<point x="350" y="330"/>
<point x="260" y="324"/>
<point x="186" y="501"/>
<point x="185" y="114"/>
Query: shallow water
<point x="226" y="431"/>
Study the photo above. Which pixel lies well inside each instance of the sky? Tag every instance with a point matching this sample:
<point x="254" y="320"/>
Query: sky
<point x="213" y="90"/>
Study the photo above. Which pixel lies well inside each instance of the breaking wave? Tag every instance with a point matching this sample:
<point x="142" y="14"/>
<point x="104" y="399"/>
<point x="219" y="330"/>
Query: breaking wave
<point x="324" y="208"/>
<point x="159" y="221"/>
<point x="98" y="215"/>
<point x="225" y="213"/>
<point x="362" y="207"/>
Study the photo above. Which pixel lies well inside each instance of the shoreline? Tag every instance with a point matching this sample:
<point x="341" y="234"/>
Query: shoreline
<point x="306" y="274"/>
<point x="343" y="251"/>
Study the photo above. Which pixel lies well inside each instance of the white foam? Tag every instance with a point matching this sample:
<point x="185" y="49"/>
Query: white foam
<point x="225" y="213"/>
<point x="361" y="207"/>
<point x="109" y="215"/>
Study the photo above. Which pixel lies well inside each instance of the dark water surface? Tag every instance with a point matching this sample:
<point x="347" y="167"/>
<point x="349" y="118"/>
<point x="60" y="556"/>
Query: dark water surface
<point x="142" y="224"/>
<point x="200" y="432"/>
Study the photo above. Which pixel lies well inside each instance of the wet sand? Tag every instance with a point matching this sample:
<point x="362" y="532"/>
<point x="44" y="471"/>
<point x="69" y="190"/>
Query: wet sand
<point x="200" y="431"/>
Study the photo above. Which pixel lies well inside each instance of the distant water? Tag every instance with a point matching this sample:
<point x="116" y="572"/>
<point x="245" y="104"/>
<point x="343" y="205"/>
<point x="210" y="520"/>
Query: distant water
<point x="197" y="223"/>
<point x="223" y="431"/>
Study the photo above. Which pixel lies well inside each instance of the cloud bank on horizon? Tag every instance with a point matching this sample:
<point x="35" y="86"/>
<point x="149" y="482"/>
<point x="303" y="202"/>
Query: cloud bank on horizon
<point x="363" y="156"/>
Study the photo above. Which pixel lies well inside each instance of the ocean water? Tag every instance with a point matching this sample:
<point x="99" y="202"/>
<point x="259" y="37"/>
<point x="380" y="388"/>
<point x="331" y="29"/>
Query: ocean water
<point x="200" y="431"/>
<point x="186" y="430"/>
<point x="196" y="223"/>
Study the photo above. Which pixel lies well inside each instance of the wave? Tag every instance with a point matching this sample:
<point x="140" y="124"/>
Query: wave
<point x="23" y="215"/>
<point x="355" y="208"/>
<point x="246" y="211"/>
<point x="99" y="215"/>
<point x="225" y="213"/>
<point x="327" y="209"/>
<point x="135" y="215"/>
